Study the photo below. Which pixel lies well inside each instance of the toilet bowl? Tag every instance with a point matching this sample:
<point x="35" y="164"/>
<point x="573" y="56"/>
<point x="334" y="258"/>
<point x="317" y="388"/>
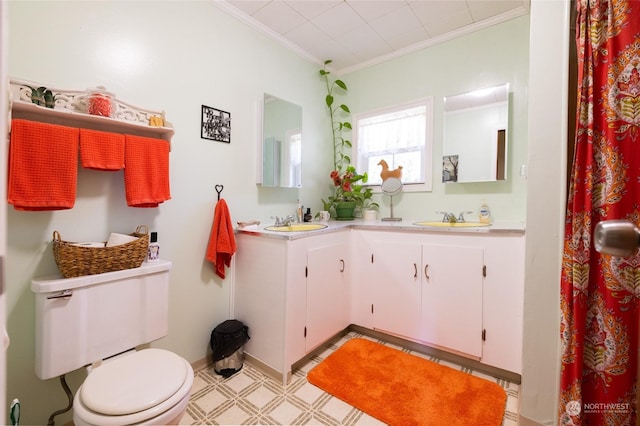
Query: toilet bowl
<point x="147" y="387"/>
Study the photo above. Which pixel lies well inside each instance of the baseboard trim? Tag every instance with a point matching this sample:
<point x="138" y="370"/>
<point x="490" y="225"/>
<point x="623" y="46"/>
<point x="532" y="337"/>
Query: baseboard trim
<point x="269" y="371"/>
<point x="200" y="363"/>
<point x="438" y="353"/>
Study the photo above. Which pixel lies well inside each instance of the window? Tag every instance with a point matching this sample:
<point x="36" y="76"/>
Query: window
<point x="400" y="135"/>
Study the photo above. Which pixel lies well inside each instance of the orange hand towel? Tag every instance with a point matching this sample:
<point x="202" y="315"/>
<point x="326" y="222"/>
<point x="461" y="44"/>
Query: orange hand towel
<point x="43" y="166"/>
<point x="222" y="241"/>
<point x="101" y="150"/>
<point x="146" y="171"/>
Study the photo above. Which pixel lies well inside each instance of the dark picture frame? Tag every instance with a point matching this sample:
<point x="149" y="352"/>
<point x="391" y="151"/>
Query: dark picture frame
<point x="215" y="124"/>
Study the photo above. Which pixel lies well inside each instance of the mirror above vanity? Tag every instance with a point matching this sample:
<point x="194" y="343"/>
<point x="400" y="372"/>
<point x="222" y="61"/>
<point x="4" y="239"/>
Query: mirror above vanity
<point x="476" y="125"/>
<point x="280" y="144"/>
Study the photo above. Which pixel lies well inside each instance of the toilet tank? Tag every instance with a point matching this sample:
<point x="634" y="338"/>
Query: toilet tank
<point x="86" y="319"/>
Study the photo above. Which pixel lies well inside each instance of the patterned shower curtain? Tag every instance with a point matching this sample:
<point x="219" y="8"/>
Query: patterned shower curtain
<point x="599" y="293"/>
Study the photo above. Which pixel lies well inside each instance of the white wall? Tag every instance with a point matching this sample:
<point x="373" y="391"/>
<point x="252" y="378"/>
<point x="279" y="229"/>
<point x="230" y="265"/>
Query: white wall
<point x="175" y="56"/>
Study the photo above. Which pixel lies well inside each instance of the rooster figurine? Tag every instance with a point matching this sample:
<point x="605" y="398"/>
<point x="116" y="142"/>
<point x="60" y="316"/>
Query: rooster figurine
<point x="386" y="173"/>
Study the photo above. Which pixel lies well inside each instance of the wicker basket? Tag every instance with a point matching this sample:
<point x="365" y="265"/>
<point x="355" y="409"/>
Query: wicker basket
<point x="75" y="261"/>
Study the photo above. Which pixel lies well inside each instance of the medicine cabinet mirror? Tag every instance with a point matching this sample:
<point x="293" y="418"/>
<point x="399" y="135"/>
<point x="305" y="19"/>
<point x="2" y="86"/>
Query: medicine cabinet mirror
<point x="475" y="136"/>
<point x="280" y="144"/>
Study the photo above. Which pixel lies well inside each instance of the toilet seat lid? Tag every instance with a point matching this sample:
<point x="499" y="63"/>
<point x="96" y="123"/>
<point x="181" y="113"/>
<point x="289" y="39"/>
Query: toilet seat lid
<point x="110" y="390"/>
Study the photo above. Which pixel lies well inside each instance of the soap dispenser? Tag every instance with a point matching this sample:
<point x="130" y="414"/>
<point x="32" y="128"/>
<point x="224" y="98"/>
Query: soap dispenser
<point x="308" y="217"/>
<point x="484" y="213"/>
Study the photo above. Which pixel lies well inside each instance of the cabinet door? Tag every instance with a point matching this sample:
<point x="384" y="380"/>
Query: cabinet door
<point x="326" y="293"/>
<point x="452" y="297"/>
<point x="503" y="296"/>
<point x="361" y="279"/>
<point x="397" y="290"/>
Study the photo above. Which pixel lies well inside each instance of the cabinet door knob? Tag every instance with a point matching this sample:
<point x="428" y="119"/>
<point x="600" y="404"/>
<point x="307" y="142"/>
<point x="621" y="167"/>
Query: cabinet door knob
<point x="415" y="270"/>
<point x="426" y="271"/>
<point x="341" y="265"/>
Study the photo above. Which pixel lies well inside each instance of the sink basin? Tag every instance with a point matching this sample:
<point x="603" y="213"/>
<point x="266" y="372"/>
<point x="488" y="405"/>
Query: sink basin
<point x="296" y="227"/>
<point x="452" y="225"/>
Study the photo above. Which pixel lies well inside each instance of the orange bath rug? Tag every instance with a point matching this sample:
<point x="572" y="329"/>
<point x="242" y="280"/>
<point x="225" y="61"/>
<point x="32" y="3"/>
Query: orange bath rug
<point x="402" y="389"/>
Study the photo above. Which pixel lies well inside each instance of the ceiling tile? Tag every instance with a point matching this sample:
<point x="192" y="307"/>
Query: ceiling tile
<point x="483" y="9"/>
<point x="338" y="20"/>
<point x="312" y="8"/>
<point x="308" y="36"/>
<point x="405" y="40"/>
<point x="318" y="44"/>
<point x="439" y="17"/>
<point x="249" y="6"/>
<point x="338" y="53"/>
<point x="365" y="43"/>
<point x="396" y="23"/>
<point x="278" y="16"/>
<point x="372" y="9"/>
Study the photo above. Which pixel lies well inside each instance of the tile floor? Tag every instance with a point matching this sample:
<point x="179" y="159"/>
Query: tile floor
<point x="251" y="398"/>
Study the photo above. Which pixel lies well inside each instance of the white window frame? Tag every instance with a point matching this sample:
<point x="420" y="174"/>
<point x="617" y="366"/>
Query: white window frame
<point x="427" y="160"/>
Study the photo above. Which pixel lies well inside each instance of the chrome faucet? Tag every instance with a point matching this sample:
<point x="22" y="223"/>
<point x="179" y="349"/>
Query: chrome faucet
<point x="461" y="216"/>
<point x="285" y="221"/>
<point x="451" y="218"/>
<point x="448" y="217"/>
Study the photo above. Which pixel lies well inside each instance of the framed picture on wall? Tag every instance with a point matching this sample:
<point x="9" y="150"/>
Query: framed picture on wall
<point x="449" y="168"/>
<point x="215" y="125"/>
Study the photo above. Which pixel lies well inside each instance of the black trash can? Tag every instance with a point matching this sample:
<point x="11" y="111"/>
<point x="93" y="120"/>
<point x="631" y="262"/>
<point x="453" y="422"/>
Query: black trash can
<point x="227" y="341"/>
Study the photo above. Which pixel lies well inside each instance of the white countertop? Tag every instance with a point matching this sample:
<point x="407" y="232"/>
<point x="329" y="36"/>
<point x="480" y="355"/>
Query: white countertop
<point x="406" y="225"/>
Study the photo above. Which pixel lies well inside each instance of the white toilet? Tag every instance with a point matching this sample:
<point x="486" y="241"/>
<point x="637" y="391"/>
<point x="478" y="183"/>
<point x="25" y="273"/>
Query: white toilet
<point x="97" y="321"/>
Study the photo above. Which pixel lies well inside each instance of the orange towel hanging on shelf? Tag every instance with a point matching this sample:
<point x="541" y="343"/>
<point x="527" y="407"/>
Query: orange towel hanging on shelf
<point x="43" y="166"/>
<point x="101" y="150"/>
<point x="146" y="171"/>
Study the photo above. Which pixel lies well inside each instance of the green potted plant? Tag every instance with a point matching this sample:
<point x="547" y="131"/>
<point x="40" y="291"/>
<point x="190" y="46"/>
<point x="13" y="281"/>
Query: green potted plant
<point x="350" y="193"/>
<point x="43" y="97"/>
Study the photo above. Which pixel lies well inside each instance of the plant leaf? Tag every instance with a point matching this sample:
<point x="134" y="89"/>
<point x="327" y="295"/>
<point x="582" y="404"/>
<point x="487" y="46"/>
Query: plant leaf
<point x="347" y="125"/>
<point x="49" y="99"/>
<point x="329" y="100"/>
<point x="328" y="61"/>
<point x="345" y="108"/>
<point x="323" y="73"/>
<point x="341" y="84"/>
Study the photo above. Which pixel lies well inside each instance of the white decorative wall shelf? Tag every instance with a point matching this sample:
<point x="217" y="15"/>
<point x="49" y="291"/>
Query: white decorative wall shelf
<point x="70" y="110"/>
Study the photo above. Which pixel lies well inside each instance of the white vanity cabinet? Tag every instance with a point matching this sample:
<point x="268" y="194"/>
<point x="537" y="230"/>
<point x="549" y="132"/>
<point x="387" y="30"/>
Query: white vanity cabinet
<point x="291" y="293"/>
<point x="460" y="292"/>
